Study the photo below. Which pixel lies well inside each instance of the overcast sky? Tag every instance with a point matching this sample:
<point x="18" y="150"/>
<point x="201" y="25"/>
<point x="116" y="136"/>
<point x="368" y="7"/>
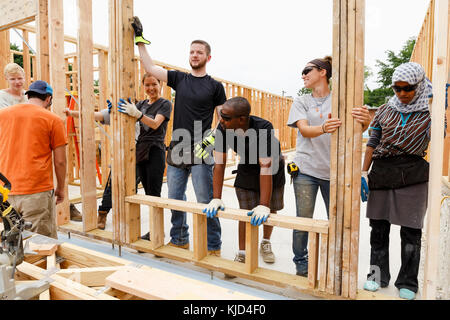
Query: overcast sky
<point x="259" y="43"/>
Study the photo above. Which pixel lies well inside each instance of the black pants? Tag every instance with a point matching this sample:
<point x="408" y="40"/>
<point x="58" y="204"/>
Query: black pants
<point x="106" y="205"/>
<point x="152" y="171"/>
<point x="379" y="255"/>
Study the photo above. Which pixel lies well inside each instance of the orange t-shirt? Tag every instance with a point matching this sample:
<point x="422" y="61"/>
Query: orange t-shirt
<point x="28" y="135"/>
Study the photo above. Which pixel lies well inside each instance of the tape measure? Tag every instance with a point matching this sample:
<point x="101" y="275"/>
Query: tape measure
<point x="292" y="169"/>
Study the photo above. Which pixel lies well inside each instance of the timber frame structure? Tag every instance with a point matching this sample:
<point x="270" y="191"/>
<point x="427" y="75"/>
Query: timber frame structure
<point x="333" y="244"/>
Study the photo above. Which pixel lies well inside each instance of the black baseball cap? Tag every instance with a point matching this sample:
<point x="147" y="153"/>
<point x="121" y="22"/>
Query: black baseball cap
<point x="40" y="87"/>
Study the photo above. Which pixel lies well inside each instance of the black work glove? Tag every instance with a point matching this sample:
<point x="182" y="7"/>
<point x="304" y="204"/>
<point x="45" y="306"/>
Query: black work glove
<point x="138" y="31"/>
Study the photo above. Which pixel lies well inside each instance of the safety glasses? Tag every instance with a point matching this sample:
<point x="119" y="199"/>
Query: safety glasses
<point x="407" y="88"/>
<point x="226" y="117"/>
<point x="308" y="70"/>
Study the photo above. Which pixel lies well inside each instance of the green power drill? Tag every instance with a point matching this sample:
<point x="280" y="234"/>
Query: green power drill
<point x="203" y="149"/>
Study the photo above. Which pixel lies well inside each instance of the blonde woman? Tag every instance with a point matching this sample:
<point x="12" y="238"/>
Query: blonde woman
<point x="15" y="94"/>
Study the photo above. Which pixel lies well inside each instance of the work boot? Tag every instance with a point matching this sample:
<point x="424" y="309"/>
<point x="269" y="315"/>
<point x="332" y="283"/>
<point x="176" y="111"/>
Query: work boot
<point x="146" y="236"/>
<point x="101" y="222"/>
<point x="182" y="246"/>
<point x="214" y="253"/>
<point x="75" y="215"/>
<point x="266" y="251"/>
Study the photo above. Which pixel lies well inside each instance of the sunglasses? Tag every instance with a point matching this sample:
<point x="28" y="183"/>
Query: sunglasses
<point x="227" y="117"/>
<point x="408" y="88"/>
<point x="308" y="70"/>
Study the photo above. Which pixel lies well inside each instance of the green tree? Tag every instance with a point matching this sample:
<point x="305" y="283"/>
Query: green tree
<point x="17" y="58"/>
<point x="380" y="95"/>
<point x="393" y="61"/>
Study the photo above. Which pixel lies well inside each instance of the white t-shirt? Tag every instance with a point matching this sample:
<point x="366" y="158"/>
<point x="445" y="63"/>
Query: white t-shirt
<point x="312" y="154"/>
<point x="7" y="99"/>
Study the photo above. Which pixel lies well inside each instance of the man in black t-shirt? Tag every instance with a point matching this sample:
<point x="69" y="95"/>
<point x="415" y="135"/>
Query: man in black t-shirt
<point x="197" y="96"/>
<point x="260" y="176"/>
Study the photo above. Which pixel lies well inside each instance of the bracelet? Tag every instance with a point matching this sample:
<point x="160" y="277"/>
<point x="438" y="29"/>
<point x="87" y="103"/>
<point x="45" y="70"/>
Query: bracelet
<point x="323" y="128"/>
<point x="140" y="118"/>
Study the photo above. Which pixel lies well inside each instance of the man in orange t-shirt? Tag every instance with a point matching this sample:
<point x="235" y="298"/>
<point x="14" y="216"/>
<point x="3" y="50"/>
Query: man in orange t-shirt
<point x="31" y="138"/>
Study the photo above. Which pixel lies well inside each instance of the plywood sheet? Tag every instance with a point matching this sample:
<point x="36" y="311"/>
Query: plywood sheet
<point x="16" y="12"/>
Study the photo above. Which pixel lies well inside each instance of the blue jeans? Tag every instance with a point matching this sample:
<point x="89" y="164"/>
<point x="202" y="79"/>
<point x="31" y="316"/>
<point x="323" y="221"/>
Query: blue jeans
<point x="202" y="179"/>
<point x="305" y="189"/>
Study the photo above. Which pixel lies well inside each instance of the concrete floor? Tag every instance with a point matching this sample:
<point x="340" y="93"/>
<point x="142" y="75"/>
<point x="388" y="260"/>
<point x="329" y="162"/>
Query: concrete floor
<point x="281" y="238"/>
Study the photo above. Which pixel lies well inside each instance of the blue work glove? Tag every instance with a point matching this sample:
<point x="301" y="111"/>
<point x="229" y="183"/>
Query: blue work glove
<point x="213" y="207"/>
<point x="260" y="214"/>
<point x="364" y="186"/>
<point x="129" y="108"/>
<point x="109" y="106"/>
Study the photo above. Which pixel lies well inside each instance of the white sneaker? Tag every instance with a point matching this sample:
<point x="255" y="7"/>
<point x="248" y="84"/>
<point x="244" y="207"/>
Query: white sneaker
<point x="239" y="258"/>
<point x="266" y="251"/>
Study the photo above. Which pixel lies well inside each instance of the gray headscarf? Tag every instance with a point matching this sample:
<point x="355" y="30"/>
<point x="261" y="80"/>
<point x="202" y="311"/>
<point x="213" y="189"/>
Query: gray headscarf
<point x="412" y="73"/>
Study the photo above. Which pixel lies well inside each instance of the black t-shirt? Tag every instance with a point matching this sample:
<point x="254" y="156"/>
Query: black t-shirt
<point x="149" y="137"/>
<point x="195" y="100"/>
<point x="259" y="141"/>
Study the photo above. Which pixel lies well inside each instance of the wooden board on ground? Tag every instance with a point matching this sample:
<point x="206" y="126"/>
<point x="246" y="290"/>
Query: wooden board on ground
<point x="45" y="249"/>
<point x="154" y="284"/>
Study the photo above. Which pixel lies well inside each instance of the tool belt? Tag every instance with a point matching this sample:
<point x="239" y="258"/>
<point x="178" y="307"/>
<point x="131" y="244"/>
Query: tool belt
<point x="398" y="172"/>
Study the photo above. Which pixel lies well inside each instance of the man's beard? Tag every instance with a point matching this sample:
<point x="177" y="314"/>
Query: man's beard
<point x="200" y="65"/>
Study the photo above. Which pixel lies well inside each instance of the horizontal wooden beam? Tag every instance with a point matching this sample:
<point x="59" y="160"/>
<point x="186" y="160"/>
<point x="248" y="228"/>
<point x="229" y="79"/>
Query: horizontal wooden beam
<point x="62" y="288"/>
<point x="73" y="40"/>
<point x="287" y="222"/>
<point x="17" y="12"/>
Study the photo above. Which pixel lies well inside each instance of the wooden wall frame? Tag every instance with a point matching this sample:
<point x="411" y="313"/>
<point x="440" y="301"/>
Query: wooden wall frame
<point x="336" y="248"/>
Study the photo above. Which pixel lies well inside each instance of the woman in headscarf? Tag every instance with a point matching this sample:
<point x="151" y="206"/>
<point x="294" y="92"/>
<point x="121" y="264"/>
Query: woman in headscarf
<point x="311" y="115"/>
<point x="398" y="180"/>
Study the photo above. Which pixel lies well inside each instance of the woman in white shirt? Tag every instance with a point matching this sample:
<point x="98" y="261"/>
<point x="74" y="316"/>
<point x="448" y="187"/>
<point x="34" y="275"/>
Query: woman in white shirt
<point x="15" y="94"/>
<point x="311" y="115"/>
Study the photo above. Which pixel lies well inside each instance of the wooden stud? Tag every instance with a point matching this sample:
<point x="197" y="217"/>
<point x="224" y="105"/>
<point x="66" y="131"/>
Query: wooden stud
<point x="86" y="101"/>
<point x="4" y="56"/>
<point x="200" y="236"/>
<point x="323" y="262"/>
<point x="334" y="149"/>
<point x="103" y="96"/>
<point x="313" y="259"/>
<point x="436" y="147"/>
<point x="357" y="147"/>
<point x="57" y="81"/>
<point x="156" y="227"/>
<point x="348" y="122"/>
<point x="251" y="248"/>
<point x="26" y="60"/>
<point x="122" y="86"/>
<point x="133" y="222"/>
<point x="43" y="44"/>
